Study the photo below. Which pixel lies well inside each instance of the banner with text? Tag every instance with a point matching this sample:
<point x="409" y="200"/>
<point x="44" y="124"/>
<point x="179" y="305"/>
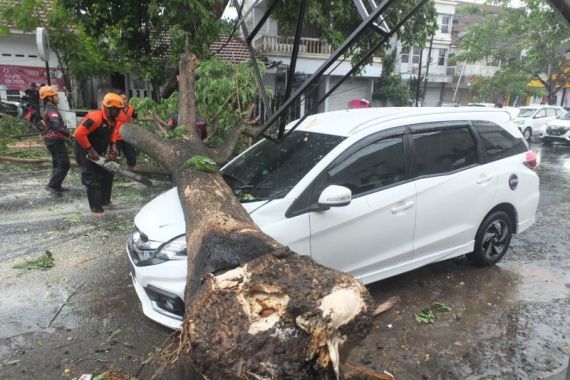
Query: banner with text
<point x="20" y="77"/>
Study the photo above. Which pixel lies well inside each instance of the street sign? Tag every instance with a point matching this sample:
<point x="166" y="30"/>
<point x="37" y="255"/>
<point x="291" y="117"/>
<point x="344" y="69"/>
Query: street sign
<point x="42" y="42"/>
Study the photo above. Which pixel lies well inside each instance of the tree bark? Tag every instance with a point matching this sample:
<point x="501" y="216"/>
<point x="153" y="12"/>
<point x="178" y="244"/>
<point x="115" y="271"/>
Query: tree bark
<point x="254" y="309"/>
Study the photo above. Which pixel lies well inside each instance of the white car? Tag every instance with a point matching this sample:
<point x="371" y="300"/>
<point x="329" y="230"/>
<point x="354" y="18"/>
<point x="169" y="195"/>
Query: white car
<point x="532" y="120"/>
<point x="558" y="130"/>
<point x="373" y="192"/>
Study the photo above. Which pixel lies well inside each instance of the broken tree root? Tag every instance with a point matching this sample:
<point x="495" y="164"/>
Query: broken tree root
<point x="278" y="316"/>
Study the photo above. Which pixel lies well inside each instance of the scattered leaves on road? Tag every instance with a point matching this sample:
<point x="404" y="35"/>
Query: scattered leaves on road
<point x="425" y="316"/>
<point x="428" y="316"/>
<point x="45" y="261"/>
<point x="440" y="307"/>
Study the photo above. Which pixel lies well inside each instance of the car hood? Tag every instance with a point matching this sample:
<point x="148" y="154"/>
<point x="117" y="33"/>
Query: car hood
<point x="162" y="218"/>
<point x="559" y="123"/>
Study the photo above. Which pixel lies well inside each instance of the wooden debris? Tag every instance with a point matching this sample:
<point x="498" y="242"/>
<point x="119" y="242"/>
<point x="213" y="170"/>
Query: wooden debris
<point x="386" y="305"/>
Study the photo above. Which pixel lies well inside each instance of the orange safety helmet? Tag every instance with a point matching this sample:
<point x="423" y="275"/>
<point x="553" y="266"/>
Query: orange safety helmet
<point x="112" y="100"/>
<point x="46" y="91"/>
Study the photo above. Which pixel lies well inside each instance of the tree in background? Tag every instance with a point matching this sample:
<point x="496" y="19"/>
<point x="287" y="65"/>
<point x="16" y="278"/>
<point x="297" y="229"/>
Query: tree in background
<point x="76" y="51"/>
<point x="529" y="42"/>
<point x="389" y="89"/>
<point x="506" y="86"/>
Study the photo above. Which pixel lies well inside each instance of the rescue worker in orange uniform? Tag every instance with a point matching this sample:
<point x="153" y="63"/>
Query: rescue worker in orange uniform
<point x="93" y="137"/>
<point x="54" y="137"/>
<point x="127" y="115"/>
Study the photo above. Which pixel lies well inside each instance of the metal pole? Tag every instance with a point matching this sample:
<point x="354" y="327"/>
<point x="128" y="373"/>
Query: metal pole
<point x="459" y="81"/>
<point x="356" y="66"/>
<point x="419" y="81"/>
<point x="259" y="80"/>
<point x="427" y="68"/>
<point x="325" y="65"/>
<point x="47" y="73"/>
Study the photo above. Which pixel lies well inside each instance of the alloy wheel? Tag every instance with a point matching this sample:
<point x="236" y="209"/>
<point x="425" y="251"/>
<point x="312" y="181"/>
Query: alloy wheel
<point x="495" y="239"/>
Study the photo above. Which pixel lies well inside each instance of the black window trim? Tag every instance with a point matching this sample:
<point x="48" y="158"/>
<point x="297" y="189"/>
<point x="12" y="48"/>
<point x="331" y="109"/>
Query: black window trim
<point x="484" y="157"/>
<point x="296" y="209"/>
<point x="437" y="126"/>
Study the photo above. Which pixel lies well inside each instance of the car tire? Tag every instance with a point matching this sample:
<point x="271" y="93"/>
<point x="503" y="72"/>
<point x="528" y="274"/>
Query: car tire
<point x="492" y="239"/>
<point x="527" y="134"/>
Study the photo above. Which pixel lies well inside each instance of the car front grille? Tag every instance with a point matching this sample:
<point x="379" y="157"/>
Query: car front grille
<point x="557" y="131"/>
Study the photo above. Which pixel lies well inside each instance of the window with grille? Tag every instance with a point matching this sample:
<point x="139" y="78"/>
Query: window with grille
<point x="445" y="24"/>
<point x="441" y="59"/>
<point x="416" y="52"/>
<point x="13" y="95"/>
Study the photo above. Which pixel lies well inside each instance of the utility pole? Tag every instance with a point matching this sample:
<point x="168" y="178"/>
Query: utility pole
<point x="418" y="82"/>
<point x="427" y="68"/>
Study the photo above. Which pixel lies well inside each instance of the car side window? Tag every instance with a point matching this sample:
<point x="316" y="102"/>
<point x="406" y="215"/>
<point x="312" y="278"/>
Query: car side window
<point x="540" y="113"/>
<point x="550" y="112"/>
<point x="373" y="167"/>
<point x="498" y="143"/>
<point x="442" y="151"/>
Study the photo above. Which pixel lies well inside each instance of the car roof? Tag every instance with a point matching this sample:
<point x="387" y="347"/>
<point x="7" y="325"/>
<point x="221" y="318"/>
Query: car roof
<point x="350" y="121"/>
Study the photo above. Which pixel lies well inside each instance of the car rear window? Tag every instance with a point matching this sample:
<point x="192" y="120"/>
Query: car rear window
<point x="497" y="141"/>
<point x="443" y="151"/>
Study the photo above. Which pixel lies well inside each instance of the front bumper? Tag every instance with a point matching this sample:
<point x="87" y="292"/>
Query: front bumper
<point x="165" y="283"/>
<point x="554" y="135"/>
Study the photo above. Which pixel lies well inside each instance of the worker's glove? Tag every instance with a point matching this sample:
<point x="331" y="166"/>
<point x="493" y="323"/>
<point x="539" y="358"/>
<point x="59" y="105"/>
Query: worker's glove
<point x="92" y="154"/>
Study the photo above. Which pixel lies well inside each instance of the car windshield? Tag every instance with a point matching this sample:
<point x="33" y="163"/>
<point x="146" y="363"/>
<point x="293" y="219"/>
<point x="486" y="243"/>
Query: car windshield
<point x="270" y="170"/>
<point x="526" y="112"/>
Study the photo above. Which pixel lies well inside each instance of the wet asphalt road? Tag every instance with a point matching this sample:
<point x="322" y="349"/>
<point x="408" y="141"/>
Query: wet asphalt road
<point x="511" y="321"/>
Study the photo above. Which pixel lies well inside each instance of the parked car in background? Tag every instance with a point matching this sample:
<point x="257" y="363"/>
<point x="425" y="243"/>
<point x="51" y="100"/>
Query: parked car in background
<point x="489" y="105"/>
<point x="531" y="120"/>
<point x="514" y="111"/>
<point x="11" y="108"/>
<point x="373" y="192"/>
<point x="558" y="130"/>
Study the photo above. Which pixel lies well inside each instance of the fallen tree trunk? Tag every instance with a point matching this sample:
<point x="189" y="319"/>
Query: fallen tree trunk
<point x="254" y="309"/>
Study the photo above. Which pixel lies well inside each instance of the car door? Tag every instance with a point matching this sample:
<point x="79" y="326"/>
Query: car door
<point x="375" y="231"/>
<point x="453" y="190"/>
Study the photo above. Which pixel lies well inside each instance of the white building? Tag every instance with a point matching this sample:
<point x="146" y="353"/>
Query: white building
<point x="445" y="82"/>
<point x="20" y="65"/>
<point x="439" y="78"/>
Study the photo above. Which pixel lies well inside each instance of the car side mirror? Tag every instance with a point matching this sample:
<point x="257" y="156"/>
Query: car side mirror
<point x="335" y="196"/>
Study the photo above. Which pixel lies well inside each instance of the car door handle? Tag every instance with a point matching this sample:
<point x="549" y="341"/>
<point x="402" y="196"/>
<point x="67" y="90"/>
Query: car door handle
<point x="402" y="206"/>
<point x="484" y="179"/>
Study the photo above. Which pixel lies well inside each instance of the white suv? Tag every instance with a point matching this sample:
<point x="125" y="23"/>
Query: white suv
<point x="558" y="130"/>
<point x="532" y="120"/>
<point x="373" y="192"/>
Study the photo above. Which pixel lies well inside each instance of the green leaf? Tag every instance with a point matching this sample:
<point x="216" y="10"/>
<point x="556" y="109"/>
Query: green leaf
<point x="425" y="316"/>
<point x="45" y="261"/>
<point x="440" y="307"/>
<point x="202" y="163"/>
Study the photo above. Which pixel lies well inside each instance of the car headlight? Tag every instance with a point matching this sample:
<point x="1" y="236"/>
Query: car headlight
<point x="175" y="249"/>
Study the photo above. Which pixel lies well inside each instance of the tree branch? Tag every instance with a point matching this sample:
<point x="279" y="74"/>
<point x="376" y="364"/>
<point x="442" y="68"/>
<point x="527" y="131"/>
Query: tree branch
<point x="187" y="93"/>
<point x="221" y="154"/>
<point x="154" y="145"/>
